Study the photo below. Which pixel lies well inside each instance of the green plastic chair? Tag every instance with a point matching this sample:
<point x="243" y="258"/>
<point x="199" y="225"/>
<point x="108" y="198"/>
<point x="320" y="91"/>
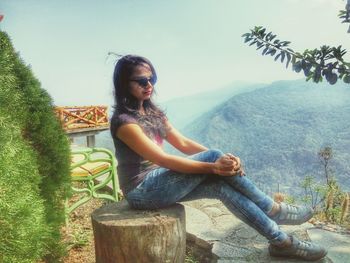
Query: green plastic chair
<point x="94" y="168"/>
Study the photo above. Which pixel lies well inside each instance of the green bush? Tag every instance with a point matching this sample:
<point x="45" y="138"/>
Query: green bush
<point x="23" y="228"/>
<point x="34" y="165"/>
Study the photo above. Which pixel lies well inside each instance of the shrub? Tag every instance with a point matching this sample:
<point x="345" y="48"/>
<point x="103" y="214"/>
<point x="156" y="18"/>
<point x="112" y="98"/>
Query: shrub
<point x="34" y="164"/>
<point x="23" y="228"/>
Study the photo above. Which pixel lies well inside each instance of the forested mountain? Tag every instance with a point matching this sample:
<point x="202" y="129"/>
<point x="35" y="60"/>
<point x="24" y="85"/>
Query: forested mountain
<point x="182" y="111"/>
<point x="278" y="130"/>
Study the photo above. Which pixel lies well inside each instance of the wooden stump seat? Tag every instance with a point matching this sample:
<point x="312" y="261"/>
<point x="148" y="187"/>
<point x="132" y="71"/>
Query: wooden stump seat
<point x="125" y="235"/>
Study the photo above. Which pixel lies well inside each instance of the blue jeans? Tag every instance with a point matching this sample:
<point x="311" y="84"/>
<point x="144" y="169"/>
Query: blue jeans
<point x="163" y="187"/>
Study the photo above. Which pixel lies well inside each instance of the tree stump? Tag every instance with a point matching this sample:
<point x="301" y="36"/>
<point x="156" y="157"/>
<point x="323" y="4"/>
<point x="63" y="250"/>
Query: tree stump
<point x="125" y="235"/>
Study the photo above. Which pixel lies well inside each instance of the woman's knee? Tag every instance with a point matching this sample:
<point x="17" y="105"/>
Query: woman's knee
<point x="213" y="154"/>
<point x="207" y="156"/>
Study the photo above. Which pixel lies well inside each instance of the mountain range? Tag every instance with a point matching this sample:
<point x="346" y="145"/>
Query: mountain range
<point x="279" y="129"/>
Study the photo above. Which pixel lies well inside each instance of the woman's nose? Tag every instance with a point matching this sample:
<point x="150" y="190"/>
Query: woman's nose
<point x="149" y="84"/>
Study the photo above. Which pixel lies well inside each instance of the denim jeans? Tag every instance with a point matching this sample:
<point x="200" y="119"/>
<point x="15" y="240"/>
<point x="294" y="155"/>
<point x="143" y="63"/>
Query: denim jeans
<point x="162" y="187"/>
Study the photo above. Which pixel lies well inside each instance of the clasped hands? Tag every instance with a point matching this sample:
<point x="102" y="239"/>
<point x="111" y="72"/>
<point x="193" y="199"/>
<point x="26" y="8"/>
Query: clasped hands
<point x="228" y="165"/>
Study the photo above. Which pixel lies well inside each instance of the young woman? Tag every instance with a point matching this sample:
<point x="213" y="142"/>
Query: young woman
<point x="150" y="178"/>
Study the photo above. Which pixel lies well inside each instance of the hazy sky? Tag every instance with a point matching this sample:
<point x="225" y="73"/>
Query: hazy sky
<point x="195" y="45"/>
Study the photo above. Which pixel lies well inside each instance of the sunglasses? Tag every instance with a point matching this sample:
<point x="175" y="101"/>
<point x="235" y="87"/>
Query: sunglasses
<point x="143" y="82"/>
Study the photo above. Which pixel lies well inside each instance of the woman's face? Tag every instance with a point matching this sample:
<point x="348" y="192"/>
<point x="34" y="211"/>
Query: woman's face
<point x="139" y="87"/>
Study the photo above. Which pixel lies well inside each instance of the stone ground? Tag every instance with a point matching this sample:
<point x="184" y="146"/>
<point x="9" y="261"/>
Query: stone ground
<point x="338" y="245"/>
<point x="218" y="236"/>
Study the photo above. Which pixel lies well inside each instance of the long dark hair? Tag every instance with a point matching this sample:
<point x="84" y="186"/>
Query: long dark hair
<point x="127" y="103"/>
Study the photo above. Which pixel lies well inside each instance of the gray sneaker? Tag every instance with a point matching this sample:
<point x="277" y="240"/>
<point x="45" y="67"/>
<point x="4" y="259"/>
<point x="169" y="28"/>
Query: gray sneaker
<point x="293" y="215"/>
<point x="299" y="249"/>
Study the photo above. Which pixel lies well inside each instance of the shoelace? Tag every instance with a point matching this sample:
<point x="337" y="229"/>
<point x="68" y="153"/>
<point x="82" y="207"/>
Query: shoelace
<point x="304" y="244"/>
<point x="292" y="208"/>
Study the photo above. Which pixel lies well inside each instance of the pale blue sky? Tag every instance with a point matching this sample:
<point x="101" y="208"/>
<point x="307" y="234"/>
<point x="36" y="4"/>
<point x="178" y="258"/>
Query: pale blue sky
<point x="194" y="45"/>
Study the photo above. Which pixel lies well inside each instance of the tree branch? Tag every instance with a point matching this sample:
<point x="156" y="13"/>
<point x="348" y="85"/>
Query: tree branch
<point x="324" y="62"/>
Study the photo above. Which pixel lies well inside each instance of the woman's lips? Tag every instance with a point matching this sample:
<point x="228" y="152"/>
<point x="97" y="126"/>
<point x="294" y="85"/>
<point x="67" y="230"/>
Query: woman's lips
<point x="148" y="92"/>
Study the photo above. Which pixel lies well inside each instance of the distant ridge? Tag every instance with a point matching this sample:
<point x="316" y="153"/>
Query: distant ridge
<point x="278" y="130"/>
<point x="183" y="110"/>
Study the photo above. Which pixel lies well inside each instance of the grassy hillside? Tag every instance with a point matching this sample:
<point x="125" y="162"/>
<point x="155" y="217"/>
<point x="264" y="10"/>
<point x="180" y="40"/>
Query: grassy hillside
<point x="279" y="129"/>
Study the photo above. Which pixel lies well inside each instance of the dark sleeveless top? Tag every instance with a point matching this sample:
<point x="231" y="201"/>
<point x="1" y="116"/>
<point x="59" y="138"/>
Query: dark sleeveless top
<point x="132" y="168"/>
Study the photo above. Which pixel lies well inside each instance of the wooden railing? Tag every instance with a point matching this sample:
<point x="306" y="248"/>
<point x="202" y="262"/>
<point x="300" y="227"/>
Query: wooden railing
<point x="80" y="117"/>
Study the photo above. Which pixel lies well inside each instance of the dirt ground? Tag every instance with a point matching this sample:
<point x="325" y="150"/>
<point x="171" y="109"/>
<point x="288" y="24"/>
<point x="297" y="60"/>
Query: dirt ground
<point x="78" y="234"/>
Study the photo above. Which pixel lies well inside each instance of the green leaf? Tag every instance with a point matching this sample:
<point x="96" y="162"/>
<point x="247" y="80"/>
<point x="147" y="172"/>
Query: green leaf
<point x="283" y="56"/>
<point x="247" y="39"/>
<point x="331" y="77"/>
<point x="289" y="56"/>
<point x="341" y="69"/>
<point x="268" y="35"/>
<point x="317" y="75"/>
<point x="298" y="55"/>
<point x="271" y="51"/>
<point x="253" y="43"/>
<point x="306" y="67"/>
<point x="260" y="45"/>
<point x="277" y="56"/>
<point x="297" y="67"/>
<point x="265" y="50"/>
<point x="346" y="79"/>
<point x="309" y="77"/>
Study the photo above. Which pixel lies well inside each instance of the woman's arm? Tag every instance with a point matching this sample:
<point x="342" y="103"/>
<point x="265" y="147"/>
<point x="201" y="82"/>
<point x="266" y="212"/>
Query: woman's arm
<point x="182" y="143"/>
<point x="133" y="136"/>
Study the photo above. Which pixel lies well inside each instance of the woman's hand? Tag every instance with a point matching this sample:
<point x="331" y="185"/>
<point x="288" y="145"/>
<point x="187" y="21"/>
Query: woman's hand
<point x="238" y="165"/>
<point x="225" y="166"/>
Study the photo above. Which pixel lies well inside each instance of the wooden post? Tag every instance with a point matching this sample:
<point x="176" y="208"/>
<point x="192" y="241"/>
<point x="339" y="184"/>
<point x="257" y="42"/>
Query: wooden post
<point x="90" y="141"/>
<point x="125" y="235"/>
